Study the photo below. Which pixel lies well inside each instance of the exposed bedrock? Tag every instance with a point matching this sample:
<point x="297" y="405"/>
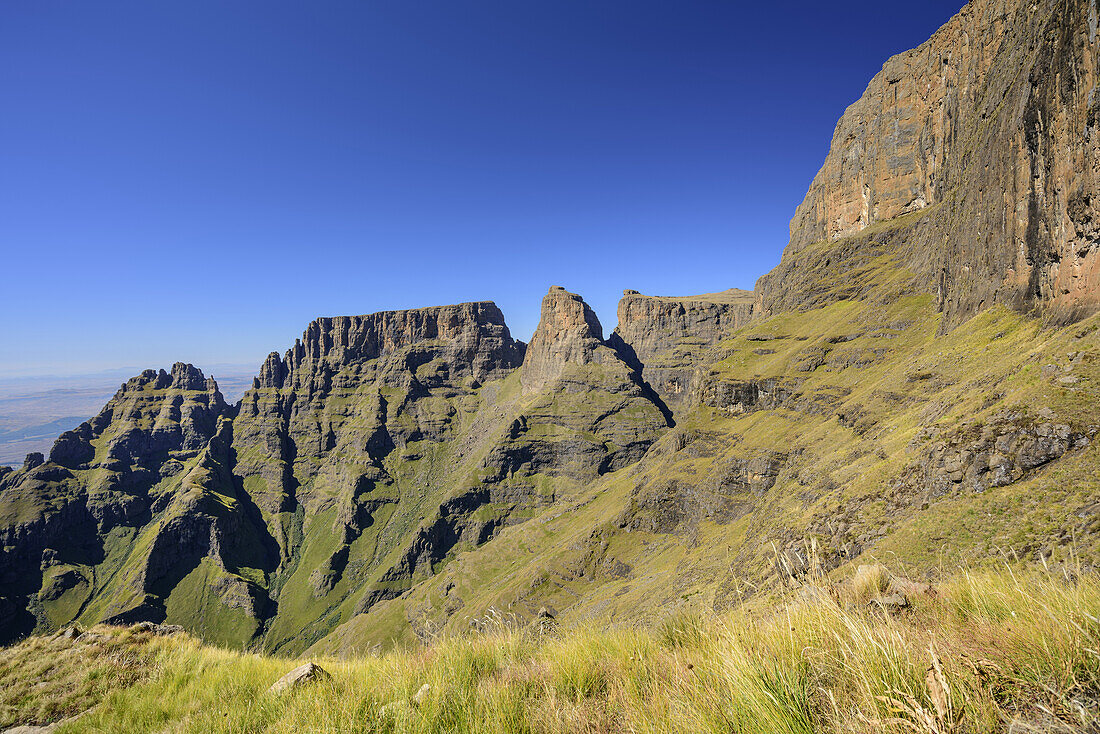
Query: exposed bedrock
<point x="977" y="457"/>
<point x="667" y="338"/>
<point x="568" y="334"/>
<point x="56" y="514"/>
<point x="989" y="129"/>
<point x="587" y="408"/>
<point x="354" y="388"/>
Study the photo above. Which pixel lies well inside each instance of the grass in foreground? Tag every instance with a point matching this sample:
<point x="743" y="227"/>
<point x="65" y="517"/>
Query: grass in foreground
<point x="978" y="653"/>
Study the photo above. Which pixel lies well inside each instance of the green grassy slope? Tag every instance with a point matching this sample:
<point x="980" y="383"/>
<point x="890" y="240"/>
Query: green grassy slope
<point x="978" y="652"/>
<point x="872" y="435"/>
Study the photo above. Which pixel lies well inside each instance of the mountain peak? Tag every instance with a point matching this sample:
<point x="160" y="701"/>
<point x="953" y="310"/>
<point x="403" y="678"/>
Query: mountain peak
<point x="568" y="332"/>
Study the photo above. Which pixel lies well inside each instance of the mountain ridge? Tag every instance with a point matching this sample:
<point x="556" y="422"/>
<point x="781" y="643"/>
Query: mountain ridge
<point x="912" y="362"/>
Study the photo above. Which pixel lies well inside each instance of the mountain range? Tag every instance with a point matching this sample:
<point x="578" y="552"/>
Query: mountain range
<point x="916" y="379"/>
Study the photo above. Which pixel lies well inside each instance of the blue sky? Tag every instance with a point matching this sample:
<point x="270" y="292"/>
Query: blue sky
<point x="196" y="181"/>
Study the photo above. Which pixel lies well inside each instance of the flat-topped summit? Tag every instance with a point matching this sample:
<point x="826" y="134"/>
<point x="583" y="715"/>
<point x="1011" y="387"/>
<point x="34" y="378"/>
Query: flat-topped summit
<point x="471" y="337"/>
<point x="667" y="335"/>
<point x="728" y="296"/>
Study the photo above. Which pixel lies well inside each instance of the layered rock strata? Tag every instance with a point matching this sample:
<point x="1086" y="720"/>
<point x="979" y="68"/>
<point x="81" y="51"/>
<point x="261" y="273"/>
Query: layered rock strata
<point x="987" y="137"/>
<point x="668" y="338"/>
<point x="105" y="479"/>
<point x="586" y="409"/>
<point x="379" y="449"/>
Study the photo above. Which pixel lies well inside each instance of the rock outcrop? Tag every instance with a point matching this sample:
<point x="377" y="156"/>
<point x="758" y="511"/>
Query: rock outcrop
<point x="977" y="458"/>
<point x="466" y="340"/>
<point x="986" y="137"/>
<point x="354" y="388"/>
<point x="668" y="338"/>
<point x="746" y="396"/>
<point x="568" y="333"/>
<point x="107" y="477"/>
<point x="587" y="410"/>
<point x="381" y="451"/>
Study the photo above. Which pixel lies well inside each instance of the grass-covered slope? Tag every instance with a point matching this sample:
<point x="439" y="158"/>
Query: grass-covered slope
<point x="365" y="495"/>
<point x="850" y="430"/>
<point x="76" y="530"/>
<point x="977" y="652"/>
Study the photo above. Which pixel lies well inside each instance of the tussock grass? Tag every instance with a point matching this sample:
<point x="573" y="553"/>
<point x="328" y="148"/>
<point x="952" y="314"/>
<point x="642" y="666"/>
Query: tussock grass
<point x="45" y="679"/>
<point x="979" y="652"/>
<point x="868" y="582"/>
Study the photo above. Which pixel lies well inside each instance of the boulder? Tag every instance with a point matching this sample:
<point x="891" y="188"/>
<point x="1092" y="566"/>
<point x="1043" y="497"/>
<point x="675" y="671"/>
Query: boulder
<point x="890" y="602"/>
<point x="907" y="588"/>
<point x="161" y="630"/>
<point x="300" y="676"/>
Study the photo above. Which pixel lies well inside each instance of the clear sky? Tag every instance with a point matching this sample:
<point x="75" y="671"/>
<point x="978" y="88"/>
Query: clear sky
<point x="197" y="180"/>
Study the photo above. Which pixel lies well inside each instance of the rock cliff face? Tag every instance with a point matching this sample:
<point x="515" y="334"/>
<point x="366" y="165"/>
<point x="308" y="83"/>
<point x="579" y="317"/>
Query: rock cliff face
<point x="351" y="445"/>
<point x="466" y="340"/>
<point x="586" y="409"/>
<point x="359" y="462"/>
<point x="668" y="337"/>
<point x="568" y="333"/>
<point x="354" y="388"/>
<point x="986" y="135"/>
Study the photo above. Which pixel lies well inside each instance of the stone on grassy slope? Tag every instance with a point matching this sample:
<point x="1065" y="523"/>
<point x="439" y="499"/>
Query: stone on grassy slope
<point x="45" y="728"/>
<point x="301" y="676"/>
<point x="890" y="602"/>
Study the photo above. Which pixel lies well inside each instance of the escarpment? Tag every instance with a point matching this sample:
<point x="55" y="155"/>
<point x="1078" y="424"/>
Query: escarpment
<point x="668" y="338"/>
<point x="586" y="409"/>
<point x="355" y="388"/>
<point x="105" y="480"/>
<point x="355" y="444"/>
<point x="359" y="463"/>
<point x="568" y="334"/>
<point x="974" y="162"/>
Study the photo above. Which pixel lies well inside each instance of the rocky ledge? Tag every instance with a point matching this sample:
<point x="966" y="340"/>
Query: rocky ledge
<point x="667" y="337"/>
